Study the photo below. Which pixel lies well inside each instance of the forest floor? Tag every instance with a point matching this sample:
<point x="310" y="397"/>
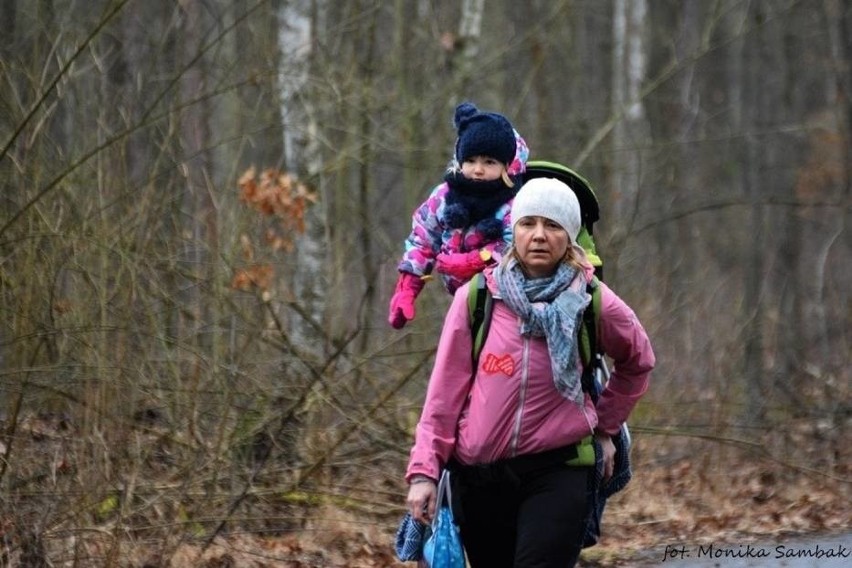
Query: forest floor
<point x="686" y="500"/>
<point x="692" y="498"/>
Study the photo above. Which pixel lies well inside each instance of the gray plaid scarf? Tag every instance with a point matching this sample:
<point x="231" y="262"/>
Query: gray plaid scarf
<point x="551" y="307"/>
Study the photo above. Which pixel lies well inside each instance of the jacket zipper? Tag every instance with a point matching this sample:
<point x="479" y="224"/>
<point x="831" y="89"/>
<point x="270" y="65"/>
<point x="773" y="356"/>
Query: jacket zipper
<point x="522" y="395"/>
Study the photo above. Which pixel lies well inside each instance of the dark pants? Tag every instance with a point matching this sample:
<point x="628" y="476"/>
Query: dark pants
<point x="527" y="512"/>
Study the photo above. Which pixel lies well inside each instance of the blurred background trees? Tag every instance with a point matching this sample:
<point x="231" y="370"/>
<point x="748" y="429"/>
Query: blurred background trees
<point x="179" y="361"/>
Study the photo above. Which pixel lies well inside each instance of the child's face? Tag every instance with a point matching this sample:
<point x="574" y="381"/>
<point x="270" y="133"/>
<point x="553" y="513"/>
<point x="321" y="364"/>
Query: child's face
<point x="482" y="168"/>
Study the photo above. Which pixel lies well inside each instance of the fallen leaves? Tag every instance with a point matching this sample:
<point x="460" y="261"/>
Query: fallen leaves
<point x="719" y="495"/>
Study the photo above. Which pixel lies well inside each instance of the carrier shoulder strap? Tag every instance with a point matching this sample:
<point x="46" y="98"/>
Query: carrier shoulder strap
<point x="590" y="352"/>
<point x="591" y="318"/>
<point x="479" y="304"/>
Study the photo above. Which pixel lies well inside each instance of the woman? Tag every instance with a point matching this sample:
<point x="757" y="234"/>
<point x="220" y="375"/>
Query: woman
<point x="508" y="429"/>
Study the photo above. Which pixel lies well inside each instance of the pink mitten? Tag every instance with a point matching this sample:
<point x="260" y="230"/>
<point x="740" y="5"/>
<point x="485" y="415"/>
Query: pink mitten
<point x="461" y="265"/>
<point x="402" y="303"/>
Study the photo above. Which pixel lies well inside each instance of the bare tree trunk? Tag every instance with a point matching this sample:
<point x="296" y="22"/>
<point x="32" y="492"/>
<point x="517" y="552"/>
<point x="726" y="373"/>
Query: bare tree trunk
<point x="200" y="227"/>
<point x="470" y="30"/>
<point x="753" y="103"/>
<point x="8" y="13"/>
<point x="631" y="132"/>
<point x="408" y="85"/>
<point x="839" y="25"/>
<point x="366" y="159"/>
<point x="628" y="73"/>
<point x="257" y="44"/>
<point x="678" y="179"/>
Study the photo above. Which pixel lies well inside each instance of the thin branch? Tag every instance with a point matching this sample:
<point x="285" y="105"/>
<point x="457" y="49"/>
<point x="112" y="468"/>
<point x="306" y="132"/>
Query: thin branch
<point x="757" y="447"/>
<point x="144" y="121"/>
<point x="52" y="85"/>
<point x="673" y="67"/>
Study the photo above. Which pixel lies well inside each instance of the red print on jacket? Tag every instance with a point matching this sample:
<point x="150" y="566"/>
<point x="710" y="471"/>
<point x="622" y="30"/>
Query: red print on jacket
<point x="495" y="364"/>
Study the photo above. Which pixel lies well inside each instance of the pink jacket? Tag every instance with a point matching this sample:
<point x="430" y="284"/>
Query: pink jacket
<point x="511" y="407"/>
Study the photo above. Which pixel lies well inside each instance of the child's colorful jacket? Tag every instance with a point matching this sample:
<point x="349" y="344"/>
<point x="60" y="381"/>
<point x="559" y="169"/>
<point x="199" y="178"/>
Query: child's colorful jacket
<point x="431" y="233"/>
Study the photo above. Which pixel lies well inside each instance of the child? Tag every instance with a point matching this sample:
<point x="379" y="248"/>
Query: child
<point x="464" y="224"/>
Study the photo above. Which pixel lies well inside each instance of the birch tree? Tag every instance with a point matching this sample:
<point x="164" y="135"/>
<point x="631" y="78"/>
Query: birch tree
<point x="628" y="74"/>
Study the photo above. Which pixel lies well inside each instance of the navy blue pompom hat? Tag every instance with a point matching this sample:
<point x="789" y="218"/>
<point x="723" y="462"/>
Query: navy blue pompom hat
<point x="483" y="134"/>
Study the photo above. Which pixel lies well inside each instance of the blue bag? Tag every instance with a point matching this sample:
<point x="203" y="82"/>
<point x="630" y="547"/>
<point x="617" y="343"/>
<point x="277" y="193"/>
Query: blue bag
<point x="409" y="539"/>
<point x="443" y="547"/>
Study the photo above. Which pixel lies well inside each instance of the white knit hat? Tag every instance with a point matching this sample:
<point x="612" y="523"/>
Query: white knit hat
<point x="551" y="199"/>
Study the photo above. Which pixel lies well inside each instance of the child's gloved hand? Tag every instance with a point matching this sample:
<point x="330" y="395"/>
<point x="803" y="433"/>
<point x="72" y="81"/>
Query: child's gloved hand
<point x="408" y="286"/>
<point x="462" y="265"/>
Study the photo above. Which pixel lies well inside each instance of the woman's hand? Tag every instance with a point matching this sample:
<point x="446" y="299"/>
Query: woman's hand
<point x="422" y="498"/>
<point x="608" y="454"/>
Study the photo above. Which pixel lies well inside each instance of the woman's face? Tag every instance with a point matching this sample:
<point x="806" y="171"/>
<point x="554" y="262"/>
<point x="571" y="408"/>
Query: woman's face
<point x="482" y="168"/>
<point x="540" y="244"/>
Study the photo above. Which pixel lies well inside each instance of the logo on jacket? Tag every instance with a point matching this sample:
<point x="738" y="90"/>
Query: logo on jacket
<point x="497" y="364"/>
